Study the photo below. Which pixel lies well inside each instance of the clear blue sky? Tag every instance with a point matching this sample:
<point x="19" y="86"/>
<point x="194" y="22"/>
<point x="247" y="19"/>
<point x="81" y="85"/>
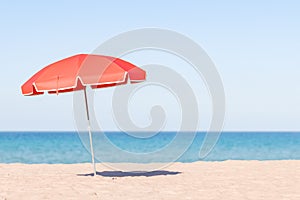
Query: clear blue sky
<point x="255" y="46"/>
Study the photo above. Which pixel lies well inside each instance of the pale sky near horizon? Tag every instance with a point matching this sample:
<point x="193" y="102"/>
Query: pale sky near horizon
<point x="255" y="47"/>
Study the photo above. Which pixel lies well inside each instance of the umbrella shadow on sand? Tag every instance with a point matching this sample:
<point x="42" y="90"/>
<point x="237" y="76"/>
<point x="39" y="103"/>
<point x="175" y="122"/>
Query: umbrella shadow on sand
<point x="132" y="174"/>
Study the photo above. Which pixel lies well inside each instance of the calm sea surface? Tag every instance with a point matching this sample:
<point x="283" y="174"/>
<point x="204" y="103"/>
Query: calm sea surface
<point x="67" y="147"/>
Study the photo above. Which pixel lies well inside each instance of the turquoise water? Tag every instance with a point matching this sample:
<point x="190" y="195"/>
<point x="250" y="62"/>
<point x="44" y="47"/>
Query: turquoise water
<point x="66" y="147"/>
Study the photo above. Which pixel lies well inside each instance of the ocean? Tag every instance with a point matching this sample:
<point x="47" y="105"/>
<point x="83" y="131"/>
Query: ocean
<point x="67" y="147"/>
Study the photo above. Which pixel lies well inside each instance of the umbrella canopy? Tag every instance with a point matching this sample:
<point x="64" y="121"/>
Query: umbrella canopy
<point x="77" y="72"/>
<point x="80" y="70"/>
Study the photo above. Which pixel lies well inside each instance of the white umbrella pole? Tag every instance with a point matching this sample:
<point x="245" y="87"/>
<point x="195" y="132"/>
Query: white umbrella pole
<point x="89" y="129"/>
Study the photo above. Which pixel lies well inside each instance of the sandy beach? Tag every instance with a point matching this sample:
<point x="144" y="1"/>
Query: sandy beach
<point x="200" y="180"/>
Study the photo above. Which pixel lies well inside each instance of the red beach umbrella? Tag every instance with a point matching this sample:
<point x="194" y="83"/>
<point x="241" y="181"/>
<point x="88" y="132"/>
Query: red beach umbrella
<point x="79" y="71"/>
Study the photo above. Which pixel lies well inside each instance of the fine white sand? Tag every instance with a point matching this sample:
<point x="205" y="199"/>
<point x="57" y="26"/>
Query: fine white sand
<point x="201" y="180"/>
